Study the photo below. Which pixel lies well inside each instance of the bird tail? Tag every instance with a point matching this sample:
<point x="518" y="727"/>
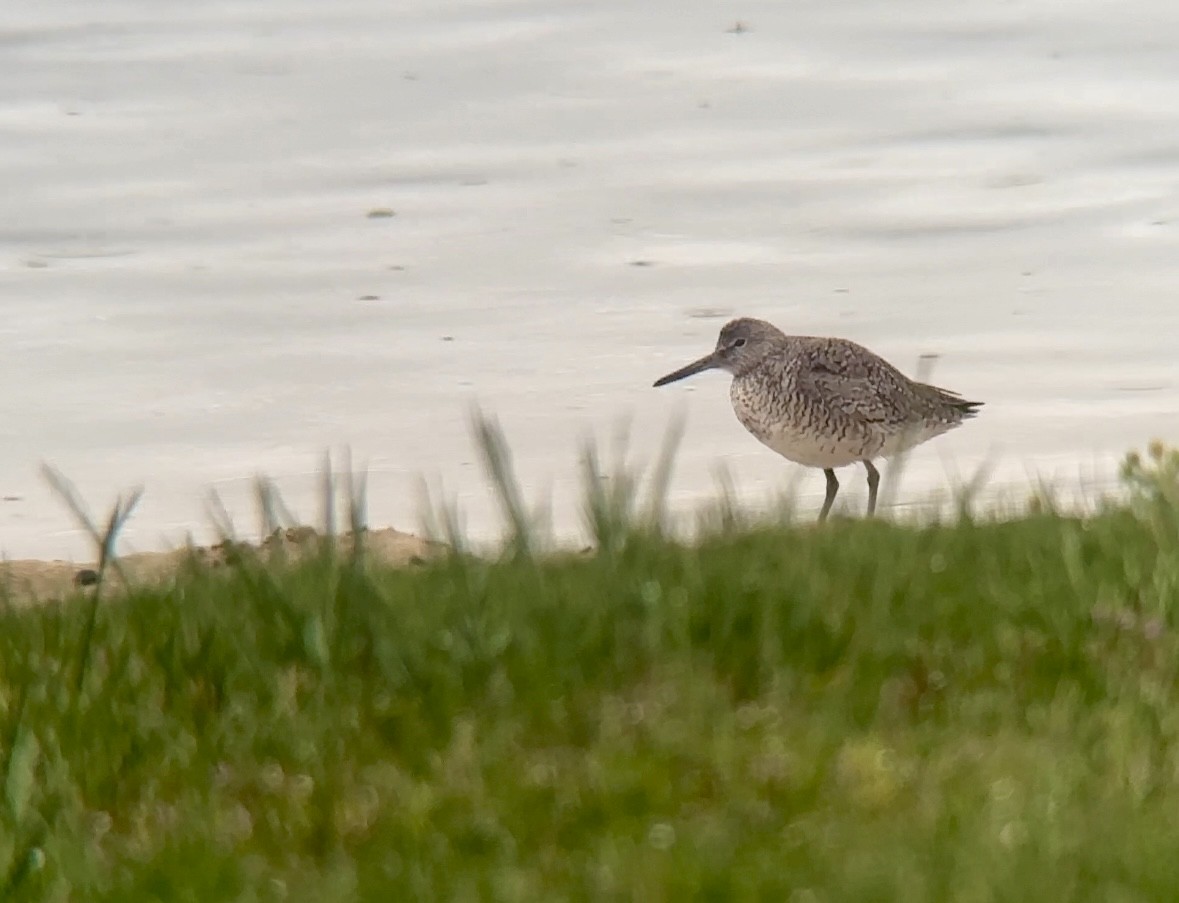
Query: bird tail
<point x="960" y="405"/>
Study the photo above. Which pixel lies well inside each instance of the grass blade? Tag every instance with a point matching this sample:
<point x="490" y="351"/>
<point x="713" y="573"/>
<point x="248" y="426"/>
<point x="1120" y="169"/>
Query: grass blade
<point x="497" y="461"/>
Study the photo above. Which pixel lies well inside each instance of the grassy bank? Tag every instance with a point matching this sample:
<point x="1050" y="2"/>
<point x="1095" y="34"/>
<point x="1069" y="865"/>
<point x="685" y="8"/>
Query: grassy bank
<point x="973" y="711"/>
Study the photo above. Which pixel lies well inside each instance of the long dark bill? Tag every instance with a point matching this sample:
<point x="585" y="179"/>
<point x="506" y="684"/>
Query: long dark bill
<point x="705" y="363"/>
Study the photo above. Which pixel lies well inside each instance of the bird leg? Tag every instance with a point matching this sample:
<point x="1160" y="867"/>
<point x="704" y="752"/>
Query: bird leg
<point x="832" y="488"/>
<point x="873" y="485"/>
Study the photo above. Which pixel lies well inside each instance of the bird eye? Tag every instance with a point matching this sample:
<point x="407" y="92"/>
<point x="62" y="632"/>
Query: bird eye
<point x="738" y="343"/>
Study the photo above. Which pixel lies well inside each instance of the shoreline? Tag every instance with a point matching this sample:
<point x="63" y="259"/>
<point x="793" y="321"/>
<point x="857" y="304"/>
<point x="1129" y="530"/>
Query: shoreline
<point x="31" y="580"/>
<point x="34" y="581"/>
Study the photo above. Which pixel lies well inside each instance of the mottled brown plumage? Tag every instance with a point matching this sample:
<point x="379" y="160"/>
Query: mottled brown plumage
<point x="826" y="402"/>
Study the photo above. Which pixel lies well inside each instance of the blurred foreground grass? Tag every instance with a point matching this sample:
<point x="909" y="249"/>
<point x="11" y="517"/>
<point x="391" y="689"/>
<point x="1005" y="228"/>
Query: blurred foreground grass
<point x="972" y="711"/>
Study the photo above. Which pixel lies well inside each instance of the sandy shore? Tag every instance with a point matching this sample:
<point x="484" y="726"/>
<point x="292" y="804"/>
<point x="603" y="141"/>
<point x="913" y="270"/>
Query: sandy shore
<point x="28" y="581"/>
<point x="240" y="234"/>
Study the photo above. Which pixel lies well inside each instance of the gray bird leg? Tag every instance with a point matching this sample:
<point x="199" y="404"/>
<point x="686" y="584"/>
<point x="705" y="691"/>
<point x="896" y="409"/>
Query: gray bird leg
<point x="873" y="485"/>
<point x="832" y="488"/>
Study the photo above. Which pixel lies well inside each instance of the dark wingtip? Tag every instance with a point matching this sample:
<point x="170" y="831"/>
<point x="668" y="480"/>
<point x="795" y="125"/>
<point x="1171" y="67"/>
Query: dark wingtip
<point x="968" y="408"/>
<point x="956" y="401"/>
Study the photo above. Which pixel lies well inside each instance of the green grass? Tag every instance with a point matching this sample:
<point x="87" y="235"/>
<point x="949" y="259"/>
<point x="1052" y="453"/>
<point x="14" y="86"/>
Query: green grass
<point x="973" y="711"/>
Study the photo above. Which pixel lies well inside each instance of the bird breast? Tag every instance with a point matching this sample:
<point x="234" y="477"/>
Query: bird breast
<point x="807" y="434"/>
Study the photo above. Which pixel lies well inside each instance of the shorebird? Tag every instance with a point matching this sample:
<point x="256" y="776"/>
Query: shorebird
<point x="826" y="402"/>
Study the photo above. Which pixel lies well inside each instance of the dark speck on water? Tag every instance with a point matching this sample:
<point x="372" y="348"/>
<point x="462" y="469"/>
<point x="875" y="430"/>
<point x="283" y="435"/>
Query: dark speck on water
<point x="381" y="213"/>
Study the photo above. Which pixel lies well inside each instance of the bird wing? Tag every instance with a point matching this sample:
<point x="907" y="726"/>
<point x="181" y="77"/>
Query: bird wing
<point x="856" y="383"/>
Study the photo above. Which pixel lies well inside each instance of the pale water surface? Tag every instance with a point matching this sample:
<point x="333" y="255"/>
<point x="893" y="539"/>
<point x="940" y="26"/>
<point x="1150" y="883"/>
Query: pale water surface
<point x="193" y="291"/>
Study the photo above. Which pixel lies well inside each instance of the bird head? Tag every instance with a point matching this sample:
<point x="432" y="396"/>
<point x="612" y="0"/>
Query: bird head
<point x="741" y="346"/>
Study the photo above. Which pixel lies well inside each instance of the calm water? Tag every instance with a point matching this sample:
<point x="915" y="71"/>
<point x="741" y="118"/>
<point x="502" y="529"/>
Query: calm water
<point x="193" y="290"/>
